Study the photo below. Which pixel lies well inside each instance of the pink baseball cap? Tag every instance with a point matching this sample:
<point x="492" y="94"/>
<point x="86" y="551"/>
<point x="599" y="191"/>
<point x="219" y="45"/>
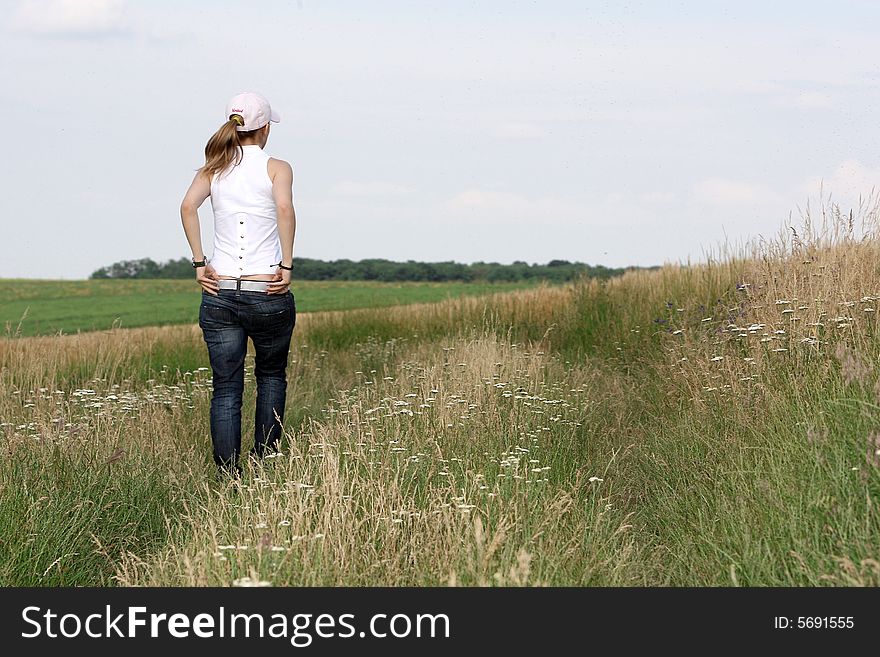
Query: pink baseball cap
<point x="253" y="108"/>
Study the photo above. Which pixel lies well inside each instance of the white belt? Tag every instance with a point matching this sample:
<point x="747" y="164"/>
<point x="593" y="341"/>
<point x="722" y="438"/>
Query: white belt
<point x="239" y="284"/>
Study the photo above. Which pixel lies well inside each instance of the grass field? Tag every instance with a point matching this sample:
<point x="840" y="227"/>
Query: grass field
<point x="70" y="306"/>
<point x="711" y="425"/>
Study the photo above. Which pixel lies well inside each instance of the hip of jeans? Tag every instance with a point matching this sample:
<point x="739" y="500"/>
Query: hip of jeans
<point x="252" y="311"/>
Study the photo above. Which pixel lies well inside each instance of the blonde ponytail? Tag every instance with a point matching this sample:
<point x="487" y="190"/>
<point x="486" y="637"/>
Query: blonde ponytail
<point x="224" y="147"/>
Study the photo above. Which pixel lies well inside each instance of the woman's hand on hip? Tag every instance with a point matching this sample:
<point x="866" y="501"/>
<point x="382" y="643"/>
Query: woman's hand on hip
<point x="281" y="284"/>
<point x="207" y="278"/>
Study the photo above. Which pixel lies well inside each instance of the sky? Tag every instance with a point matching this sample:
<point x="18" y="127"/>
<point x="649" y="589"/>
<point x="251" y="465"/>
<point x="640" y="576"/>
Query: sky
<point x="613" y="133"/>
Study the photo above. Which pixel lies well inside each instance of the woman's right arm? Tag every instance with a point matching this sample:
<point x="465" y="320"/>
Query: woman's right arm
<point x="198" y="191"/>
<point x="282" y="191"/>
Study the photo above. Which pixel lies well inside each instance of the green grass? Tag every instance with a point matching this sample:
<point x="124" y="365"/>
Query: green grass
<point x="66" y="521"/>
<point x="45" y="307"/>
<point x="641" y="457"/>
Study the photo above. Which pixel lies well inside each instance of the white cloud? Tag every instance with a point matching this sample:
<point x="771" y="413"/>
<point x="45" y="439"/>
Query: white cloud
<point x="70" y="17"/>
<point x="721" y="191"/>
<point x="371" y="189"/>
<point x="517" y="130"/>
<point x="789" y="94"/>
<point x="476" y="200"/>
<point x="490" y="206"/>
<point x="659" y="198"/>
<point x="844" y="185"/>
<point x="813" y="99"/>
<point x="850" y="180"/>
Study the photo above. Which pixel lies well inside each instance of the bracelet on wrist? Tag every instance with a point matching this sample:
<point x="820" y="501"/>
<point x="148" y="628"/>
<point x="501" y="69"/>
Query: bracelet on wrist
<point x="283" y="267"/>
<point x="199" y="263"/>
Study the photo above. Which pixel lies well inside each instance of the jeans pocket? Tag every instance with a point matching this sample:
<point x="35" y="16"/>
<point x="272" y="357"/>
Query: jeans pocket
<point x="272" y="316"/>
<point x="212" y="315"/>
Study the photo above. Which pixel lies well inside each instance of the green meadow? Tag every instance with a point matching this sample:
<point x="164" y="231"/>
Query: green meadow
<point x="46" y="307"/>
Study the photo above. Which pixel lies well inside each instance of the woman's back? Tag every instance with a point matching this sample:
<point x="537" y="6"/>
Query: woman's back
<point x="246" y="240"/>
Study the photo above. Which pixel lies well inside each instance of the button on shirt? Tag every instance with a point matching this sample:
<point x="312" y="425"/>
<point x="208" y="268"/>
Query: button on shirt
<point x="245" y="222"/>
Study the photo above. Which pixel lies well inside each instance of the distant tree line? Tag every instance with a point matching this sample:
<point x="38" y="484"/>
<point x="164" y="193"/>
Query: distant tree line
<point x="376" y="269"/>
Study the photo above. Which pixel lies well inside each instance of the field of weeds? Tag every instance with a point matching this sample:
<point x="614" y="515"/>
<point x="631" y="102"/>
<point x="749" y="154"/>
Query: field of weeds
<point x="715" y="424"/>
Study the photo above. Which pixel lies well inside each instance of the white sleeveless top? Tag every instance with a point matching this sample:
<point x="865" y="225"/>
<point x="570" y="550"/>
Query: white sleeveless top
<point x="245" y="222"/>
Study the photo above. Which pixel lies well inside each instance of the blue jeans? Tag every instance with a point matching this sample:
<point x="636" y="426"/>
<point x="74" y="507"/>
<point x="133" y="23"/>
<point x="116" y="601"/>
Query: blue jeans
<point x="227" y="320"/>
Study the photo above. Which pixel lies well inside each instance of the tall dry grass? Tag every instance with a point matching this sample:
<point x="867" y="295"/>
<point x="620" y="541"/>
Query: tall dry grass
<point x="422" y="478"/>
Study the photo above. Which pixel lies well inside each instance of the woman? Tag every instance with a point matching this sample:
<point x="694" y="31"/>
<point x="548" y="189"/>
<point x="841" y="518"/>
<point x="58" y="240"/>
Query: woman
<point x="245" y="289"/>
